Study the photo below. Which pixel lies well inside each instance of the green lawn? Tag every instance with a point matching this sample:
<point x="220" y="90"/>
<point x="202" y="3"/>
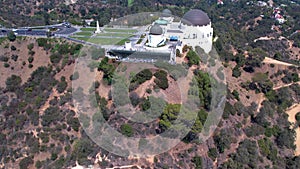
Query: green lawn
<point x="115" y="34"/>
<point x="120" y="30"/>
<point x="88" y="29"/>
<point x="122" y="42"/>
<point x="84" y="33"/>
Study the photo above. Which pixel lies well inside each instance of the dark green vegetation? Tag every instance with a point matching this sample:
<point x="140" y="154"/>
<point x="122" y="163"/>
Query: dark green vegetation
<point x="161" y="80"/>
<point x="127" y="130"/>
<point x="140" y="78"/>
<point x="193" y="58"/>
<point x="108" y="70"/>
<point x="246" y="137"/>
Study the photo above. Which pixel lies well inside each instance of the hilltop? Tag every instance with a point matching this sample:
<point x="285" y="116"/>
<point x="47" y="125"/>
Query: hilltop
<point x="40" y="124"/>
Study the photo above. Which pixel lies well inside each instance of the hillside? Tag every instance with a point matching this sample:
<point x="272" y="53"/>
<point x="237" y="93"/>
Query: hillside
<point x="42" y="125"/>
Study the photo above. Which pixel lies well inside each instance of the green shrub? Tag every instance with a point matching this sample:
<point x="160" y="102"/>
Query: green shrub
<point x="197" y="160"/>
<point x="6" y="65"/>
<point x="161" y="79"/>
<point x="4" y="58"/>
<point x="236" y="72"/>
<point x="55" y="58"/>
<point x="213" y="153"/>
<point x="14" y="57"/>
<point x="127" y="130"/>
<point x="13" y="82"/>
<point x="74" y="76"/>
<point x="30" y="46"/>
<point x="11" y="36"/>
<point x="236" y="95"/>
<point x="25" y="162"/>
<point x="31" y="52"/>
<point x="62" y="86"/>
<point x="298" y="117"/>
<point x="13" y="48"/>
<point x="30" y="59"/>
<point x="42" y="42"/>
<point x="193" y="58"/>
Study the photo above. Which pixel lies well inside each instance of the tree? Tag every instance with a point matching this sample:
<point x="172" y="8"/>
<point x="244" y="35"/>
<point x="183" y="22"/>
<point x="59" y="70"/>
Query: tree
<point x="161" y="79"/>
<point x="193" y="58"/>
<point x="13" y="48"/>
<point x="178" y="54"/>
<point x="236" y="72"/>
<point x="127" y="130"/>
<point x="197" y="160"/>
<point x="55" y="58"/>
<point x="298" y="117"/>
<point x="11" y="36"/>
<point x="236" y="95"/>
<point x="30" y="46"/>
<point x="30" y="59"/>
<point x="13" y="83"/>
<point x="25" y="162"/>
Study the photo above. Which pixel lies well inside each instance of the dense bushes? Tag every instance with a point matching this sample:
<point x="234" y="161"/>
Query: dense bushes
<point x="161" y="79"/>
<point x="168" y="116"/>
<point x="140" y="78"/>
<point x="263" y="83"/>
<point x="204" y="86"/>
<point x="197" y="160"/>
<point x="11" y="36"/>
<point x="41" y="42"/>
<point x="14" y="57"/>
<point x="193" y="58"/>
<point x="52" y="115"/>
<point x="13" y="83"/>
<point x="25" y="162"/>
<point x="62" y="85"/>
<point x="55" y="58"/>
<point x="127" y="130"/>
<point x="247" y="154"/>
<point x="236" y="72"/>
<point x="108" y="70"/>
<point x="224" y="139"/>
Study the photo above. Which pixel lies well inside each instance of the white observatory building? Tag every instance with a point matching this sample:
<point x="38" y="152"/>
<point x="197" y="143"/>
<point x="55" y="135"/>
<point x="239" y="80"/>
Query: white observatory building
<point x="194" y="29"/>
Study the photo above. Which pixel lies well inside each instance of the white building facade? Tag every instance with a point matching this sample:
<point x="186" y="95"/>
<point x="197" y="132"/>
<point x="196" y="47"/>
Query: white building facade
<point x="194" y="29"/>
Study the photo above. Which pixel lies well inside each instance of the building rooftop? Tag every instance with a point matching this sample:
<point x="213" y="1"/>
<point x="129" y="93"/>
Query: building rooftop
<point x="195" y="17"/>
<point x="166" y="13"/>
<point x="161" y="22"/>
<point x="156" y="30"/>
<point x="174" y="31"/>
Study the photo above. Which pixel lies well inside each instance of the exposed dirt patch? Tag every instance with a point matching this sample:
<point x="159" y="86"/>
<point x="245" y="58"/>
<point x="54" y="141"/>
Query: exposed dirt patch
<point x="67" y="71"/>
<point x="292" y="111"/>
<point x="273" y="61"/>
<point x="41" y="58"/>
<point x="246" y="96"/>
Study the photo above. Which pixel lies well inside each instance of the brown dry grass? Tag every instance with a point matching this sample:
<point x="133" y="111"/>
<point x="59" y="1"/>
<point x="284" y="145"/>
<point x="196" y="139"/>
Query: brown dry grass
<point x="41" y="58"/>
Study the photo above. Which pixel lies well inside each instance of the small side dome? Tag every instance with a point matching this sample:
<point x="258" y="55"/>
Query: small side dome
<point x="195" y="17"/>
<point x="156" y="30"/>
<point x="166" y="13"/>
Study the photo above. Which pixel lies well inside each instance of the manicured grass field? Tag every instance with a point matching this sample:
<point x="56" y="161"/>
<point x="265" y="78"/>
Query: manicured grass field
<point x="84" y="33"/>
<point x="115" y="34"/>
<point x="88" y="29"/>
<point x="120" y="30"/>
